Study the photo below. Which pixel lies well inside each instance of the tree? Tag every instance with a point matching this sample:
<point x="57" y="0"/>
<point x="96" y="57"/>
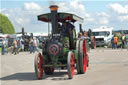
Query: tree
<point x="6" y="26"/>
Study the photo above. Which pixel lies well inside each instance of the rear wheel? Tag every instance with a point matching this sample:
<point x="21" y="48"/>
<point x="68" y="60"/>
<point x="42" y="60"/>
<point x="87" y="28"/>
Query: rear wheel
<point x="70" y="63"/>
<point x="83" y="56"/>
<point x="39" y="66"/>
<point x="78" y="59"/>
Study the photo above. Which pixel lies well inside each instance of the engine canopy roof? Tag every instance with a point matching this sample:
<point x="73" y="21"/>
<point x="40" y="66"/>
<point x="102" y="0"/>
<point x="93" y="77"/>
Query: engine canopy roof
<point x="61" y="17"/>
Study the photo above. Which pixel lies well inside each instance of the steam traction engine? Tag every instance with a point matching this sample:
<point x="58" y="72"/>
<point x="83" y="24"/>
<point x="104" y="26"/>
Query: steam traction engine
<point x="62" y="50"/>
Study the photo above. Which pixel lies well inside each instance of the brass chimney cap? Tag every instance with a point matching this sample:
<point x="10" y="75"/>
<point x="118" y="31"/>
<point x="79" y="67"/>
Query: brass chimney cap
<point x="53" y="7"/>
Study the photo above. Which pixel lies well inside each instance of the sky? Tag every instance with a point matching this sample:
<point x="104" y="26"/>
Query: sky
<point x="96" y="13"/>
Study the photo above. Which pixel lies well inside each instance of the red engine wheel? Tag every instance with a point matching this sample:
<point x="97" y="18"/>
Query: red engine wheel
<point x="39" y="66"/>
<point x="83" y="56"/>
<point x="70" y="63"/>
<point x="78" y="58"/>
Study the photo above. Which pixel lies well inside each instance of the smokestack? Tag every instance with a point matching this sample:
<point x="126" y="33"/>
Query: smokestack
<point x="22" y="31"/>
<point x="81" y="30"/>
<point x="54" y="21"/>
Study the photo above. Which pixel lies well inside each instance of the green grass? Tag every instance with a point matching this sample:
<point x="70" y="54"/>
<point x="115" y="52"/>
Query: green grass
<point x="0" y="49"/>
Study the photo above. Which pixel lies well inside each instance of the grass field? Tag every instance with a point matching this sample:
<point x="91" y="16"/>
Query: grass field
<point x="0" y="49"/>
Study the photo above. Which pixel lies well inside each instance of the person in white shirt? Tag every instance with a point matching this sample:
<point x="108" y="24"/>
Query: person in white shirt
<point x="35" y="44"/>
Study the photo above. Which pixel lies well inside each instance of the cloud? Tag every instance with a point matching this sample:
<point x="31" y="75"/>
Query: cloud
<point x="99" y="18"/>
<point x="120" y="12"/>
<point x="22" y="18"/>
<point x="2" y="9"/>
<point x="22" y="21"/>
<point x="27" y="15"/>
<point x="123" y="18"/>
<point x="102" y="14"/>
<point x="31" y="6"/>
<point x="7" y="15"/>
<point x="90" y="19"/>
<point x="116" y="7"/>
<point x="19" y="20"/>
<point x="103" y="21"/>
<point x="74" y="6"/>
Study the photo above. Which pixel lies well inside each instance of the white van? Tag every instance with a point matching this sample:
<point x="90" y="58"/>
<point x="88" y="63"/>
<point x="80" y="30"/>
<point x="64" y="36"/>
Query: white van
<point x="103" y="35"/>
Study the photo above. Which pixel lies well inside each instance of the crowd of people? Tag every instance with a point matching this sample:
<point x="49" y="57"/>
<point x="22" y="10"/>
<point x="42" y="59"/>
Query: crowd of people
<point x="18" y="45"/>
<point x="4" y="44"/>
<point x="80" y="35"/>
<point x="33" y="45"/>
<point x="123" y="41"/>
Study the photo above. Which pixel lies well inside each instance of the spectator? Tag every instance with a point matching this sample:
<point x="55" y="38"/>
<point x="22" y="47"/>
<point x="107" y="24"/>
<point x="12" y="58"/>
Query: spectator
<point x="35" y="44"/>
<point x="115" y="40"/>
<point x="123" y="41"/>
<point x="3" y="47"/>
<point x="18" y="45"/>
<point x="22" y="44"/>
<point x="59" y="27"/>
<point x="37" y="41"/>
<point x="126" y="40"/>
<point x="79" y="35"/>
<point x="31" y="46"/>
<point x="14" y="46"/>
<point x="112" y="42"/>
<point x="65" y="30"/>
<point x="67" y="27"/>
<point x="85" y="34"/>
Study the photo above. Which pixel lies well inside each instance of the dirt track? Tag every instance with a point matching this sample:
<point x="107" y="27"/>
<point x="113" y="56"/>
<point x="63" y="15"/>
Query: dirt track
<point x="107" y="67"/>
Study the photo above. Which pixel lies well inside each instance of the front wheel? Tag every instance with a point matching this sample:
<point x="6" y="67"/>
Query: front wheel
<point x="39" y="66"/>
<point x="70" y="65"/>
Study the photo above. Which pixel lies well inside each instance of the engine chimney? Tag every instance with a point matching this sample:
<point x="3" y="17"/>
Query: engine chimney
<point x="22" y="31"/>
<point x="54" y="21"/>
<point x="81" y="30"/>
